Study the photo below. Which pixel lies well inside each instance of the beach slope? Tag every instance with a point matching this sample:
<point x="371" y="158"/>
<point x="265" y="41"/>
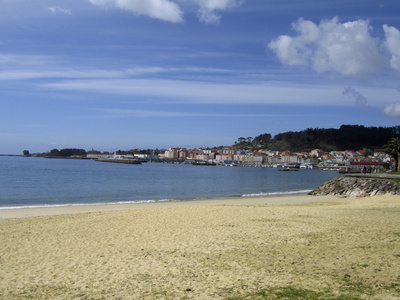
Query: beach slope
<point x="250" y="248"/>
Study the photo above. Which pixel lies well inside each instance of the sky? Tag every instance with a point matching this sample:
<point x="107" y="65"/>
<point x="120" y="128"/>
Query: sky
<point x="126" y="74"/>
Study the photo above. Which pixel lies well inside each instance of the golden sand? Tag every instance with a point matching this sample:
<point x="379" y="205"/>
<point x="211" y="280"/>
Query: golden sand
<point x="319" y="246"/>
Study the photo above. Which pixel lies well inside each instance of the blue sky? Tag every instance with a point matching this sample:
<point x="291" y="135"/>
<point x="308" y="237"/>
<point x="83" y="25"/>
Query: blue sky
<point x="123" y="74"/>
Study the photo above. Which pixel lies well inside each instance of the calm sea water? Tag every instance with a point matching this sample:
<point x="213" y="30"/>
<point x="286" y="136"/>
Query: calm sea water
<point x="28" y="181"/>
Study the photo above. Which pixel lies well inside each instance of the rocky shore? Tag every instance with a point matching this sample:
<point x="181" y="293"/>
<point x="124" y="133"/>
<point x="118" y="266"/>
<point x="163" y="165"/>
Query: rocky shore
<point x="355" y="186"/>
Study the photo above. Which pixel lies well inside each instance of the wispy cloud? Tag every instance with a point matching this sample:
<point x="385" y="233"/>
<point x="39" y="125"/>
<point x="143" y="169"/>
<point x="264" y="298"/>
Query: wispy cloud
<point x="183" y="91"/>
<point x="13" y="60"/>
<point x="208" y="8"/>
<point x="25" y="67"/>
<point x="358" y="98"/>
<point x="56" y="10"/>
<point x="188" y="84"/>
<point x="118" y="113"/>
<point x="27" y="74"/>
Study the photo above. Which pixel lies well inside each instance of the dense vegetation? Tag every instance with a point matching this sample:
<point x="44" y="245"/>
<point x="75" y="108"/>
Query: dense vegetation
<point x="74" y="152"/>
<point x="347" y="137"/>
<point x="67" y="152"/>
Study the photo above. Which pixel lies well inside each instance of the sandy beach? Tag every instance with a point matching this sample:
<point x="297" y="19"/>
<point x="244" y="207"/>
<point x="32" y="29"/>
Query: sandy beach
<point x="252" y="248"/>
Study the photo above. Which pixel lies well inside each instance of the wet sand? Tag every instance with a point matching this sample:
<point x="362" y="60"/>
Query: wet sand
<point x="214" y="249"/>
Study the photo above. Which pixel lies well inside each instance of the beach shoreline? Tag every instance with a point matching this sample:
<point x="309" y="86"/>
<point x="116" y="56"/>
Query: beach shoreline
<point x="39" y="211"/>
<point x="320" y="246"/>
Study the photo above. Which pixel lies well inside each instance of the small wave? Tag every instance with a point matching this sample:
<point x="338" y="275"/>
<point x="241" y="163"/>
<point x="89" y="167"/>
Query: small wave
<point x="272" y="194"/>
<point x="85" y="204"/>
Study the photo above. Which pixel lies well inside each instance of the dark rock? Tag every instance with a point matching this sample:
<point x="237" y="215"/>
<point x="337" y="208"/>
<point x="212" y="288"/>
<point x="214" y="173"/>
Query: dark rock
<point x="353" y="187"/>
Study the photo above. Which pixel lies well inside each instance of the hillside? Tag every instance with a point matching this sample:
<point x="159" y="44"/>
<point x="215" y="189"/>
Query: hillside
<point x="347" y="137"/>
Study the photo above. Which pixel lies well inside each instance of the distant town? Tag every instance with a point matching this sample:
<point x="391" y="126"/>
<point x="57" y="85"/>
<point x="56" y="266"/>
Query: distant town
<point x="256" y="152"/>
<point x="374" y="160"/>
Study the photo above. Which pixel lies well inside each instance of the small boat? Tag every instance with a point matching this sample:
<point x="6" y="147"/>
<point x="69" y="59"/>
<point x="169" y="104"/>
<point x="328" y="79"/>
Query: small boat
<point x="203" y="163"/>
<point x="287" y="168"/>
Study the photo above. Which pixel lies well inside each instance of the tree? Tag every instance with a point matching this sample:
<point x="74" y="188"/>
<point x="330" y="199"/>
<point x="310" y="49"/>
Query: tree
<point x="54" y="152"/>
<point x="393" y="149"/>
<point x="241" y="140"/>
<point x="67" y="152"/>
<point x="262" y="140"/>
<point x="72" y="152"/>
<point x="26" y="153"/>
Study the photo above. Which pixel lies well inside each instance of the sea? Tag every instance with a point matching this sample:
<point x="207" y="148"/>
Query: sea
<point x="43" y="182"/>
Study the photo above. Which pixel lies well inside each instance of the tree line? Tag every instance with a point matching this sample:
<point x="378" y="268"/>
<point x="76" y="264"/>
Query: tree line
<point x="67" y="152"/>
<point x="347" y="137"/>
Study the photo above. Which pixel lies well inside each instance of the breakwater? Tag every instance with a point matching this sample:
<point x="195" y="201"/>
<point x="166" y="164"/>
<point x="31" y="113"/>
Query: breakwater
<point x="120" y="161"/>
<point x="355" y="186"/>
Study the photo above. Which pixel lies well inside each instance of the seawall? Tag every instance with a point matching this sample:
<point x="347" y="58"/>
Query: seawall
<point x="360" y="185"/>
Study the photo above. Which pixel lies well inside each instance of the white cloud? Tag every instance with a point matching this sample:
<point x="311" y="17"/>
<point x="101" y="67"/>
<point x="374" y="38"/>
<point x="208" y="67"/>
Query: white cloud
<point x="168" y="10"/>
<point x="55" y="10"/>
<point x="392" y="110"/>
<point x="393" y="45"/>
<point x="159" y="9"/>
<point x="333" y="47"/>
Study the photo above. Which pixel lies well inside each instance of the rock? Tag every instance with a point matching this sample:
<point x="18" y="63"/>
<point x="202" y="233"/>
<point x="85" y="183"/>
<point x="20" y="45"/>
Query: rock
<point x="355" y="187"/>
